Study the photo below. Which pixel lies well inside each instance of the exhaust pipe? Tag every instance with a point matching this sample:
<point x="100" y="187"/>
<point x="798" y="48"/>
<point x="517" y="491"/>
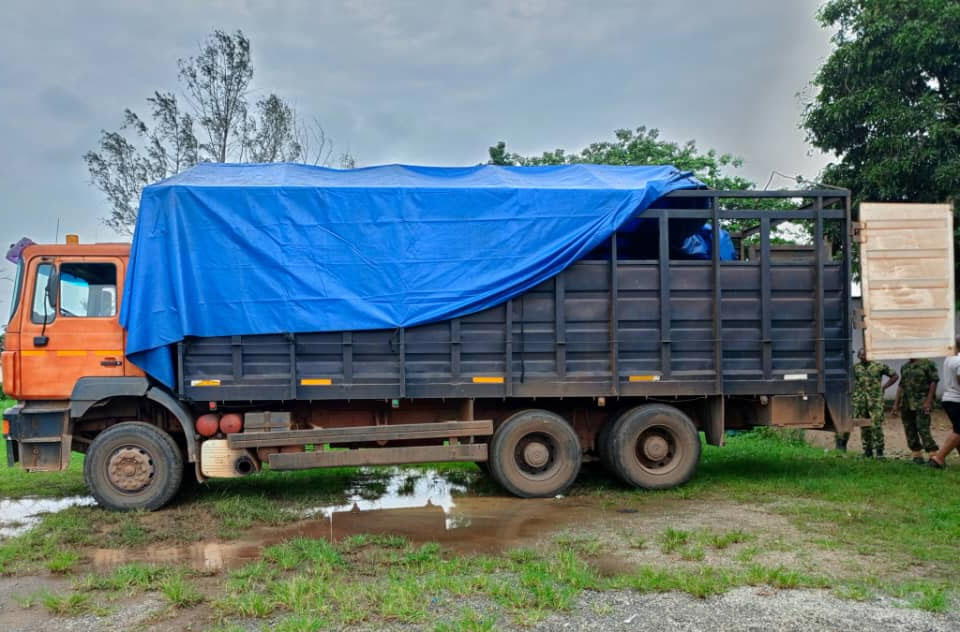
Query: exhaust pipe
<point x="217" y="460"/>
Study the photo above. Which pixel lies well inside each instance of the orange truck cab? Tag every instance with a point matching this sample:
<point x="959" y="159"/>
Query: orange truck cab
<point x="63" y="361"/>
<point x="63" y="328"/>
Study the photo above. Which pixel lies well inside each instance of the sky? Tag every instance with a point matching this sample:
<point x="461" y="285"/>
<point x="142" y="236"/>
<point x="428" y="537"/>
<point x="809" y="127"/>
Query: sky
<point x="396" y="81"/>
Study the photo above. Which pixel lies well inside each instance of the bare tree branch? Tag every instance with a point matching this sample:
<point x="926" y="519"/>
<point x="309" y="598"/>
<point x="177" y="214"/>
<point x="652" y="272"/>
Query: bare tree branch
<point x="214" y="105"/>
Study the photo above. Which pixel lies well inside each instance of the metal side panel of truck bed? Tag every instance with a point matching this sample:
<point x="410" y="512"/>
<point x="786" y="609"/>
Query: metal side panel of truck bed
<point x="606" y="326"/>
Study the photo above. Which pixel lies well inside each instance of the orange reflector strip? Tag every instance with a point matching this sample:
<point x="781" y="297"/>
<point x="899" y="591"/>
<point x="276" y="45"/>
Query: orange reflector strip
<point x="204" y="382"/>
<point x="71" y="353"/>
<point x="108" y="352"/>
<point x="33" y="352"/>
<point x="488" y="379"/>
<point x="644" y="378"/>
<point x="6" y="427"/>
<point x="316" y="381"/>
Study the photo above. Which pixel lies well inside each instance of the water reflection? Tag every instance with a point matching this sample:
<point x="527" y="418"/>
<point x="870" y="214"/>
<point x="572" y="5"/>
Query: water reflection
<point x="19" y="515"/>
<point x="420" y="505"/>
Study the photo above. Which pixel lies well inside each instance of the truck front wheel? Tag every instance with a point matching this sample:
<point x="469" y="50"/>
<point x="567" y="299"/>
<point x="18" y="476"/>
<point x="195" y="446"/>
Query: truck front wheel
<point x="654" y="446"/>
<point x="535" y="454"/>
<point x="133" y="465"/>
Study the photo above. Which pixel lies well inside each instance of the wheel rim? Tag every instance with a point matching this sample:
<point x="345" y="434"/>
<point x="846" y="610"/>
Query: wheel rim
<point x="130" y="469"/>
<point x="657" y="449"/>
<point x="536" y="455"/>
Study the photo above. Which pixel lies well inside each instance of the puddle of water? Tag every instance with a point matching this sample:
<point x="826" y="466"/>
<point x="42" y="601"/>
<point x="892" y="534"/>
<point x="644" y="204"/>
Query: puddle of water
<point x="17" y="516"/>
<point x="420" y="505"/>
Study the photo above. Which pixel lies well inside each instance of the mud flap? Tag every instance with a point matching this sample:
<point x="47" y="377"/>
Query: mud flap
<point x="714" y="420"/>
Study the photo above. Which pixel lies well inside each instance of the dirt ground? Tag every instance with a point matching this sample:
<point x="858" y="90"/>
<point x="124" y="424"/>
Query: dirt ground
<point x="616" y="533"/>
<point x="895" y="441"/>
<point x="616" y="538"/>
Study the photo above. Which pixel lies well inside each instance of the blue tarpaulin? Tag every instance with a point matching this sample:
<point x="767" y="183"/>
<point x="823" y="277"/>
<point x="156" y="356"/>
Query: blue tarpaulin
<point x="226" y="249"/>
<point x="699" y="245"/>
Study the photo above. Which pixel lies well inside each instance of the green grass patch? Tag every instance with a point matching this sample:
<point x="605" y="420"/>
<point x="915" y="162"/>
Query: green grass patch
<point x="127" y="578"/>
<point x="63" y="561"/>
<point x="68" y="605"/>
<point x="17" y="483"/>
<point x="180" y="592"/>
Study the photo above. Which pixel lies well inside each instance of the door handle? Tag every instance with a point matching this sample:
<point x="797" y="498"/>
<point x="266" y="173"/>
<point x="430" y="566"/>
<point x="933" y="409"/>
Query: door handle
<point x="110" y="362"/>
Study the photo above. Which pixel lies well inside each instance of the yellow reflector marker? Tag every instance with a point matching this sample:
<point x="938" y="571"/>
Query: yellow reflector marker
<point x="644" y="378"/>
<point x="316" y="381"/>
<point x="204" y="382"/>
<point x="71" y="353"/>
<point x="103" y="353"/>
<point x="33" y="352"/>
<point x="488" y="379"/>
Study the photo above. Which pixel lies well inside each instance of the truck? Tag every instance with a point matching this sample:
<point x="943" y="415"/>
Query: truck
<point x="624" y="353"/>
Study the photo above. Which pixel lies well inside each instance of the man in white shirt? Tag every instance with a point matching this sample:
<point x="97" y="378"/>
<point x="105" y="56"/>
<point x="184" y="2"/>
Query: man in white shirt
<point x="951" y="405"/>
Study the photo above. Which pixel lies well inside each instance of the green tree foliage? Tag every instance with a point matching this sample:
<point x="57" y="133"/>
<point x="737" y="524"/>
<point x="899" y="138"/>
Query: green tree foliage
<point x="211" y="121"/>
<point x="643" y="146"/>
<point x="640" y="146"/>
<point x="887" y="100"/>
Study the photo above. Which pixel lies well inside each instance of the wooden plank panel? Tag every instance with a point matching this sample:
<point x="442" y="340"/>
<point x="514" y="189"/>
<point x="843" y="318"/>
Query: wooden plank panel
<point x="908" y="280"/>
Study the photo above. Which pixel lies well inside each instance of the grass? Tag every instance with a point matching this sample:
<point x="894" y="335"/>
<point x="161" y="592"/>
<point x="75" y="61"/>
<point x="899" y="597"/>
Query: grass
<point x="889" y="513"/>
<point x="180" y="592"/>
<point x="16" y="483"/>
<point x="882" y="508"/>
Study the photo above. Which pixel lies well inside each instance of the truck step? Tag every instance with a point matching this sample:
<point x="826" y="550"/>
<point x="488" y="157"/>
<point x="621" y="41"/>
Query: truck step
<point x="321" y="436"/>
<point x="379" y="456"/>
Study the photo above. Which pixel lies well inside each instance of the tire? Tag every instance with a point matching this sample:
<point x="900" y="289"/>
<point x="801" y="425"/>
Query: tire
<point x="535" y="454"/>
<point x="654" y="447"/>
<point x="147" y="467"/>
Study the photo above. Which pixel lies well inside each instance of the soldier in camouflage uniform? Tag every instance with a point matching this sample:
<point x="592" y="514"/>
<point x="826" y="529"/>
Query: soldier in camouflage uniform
<point x="918" y="385"/>
<point x="868" y="400"/>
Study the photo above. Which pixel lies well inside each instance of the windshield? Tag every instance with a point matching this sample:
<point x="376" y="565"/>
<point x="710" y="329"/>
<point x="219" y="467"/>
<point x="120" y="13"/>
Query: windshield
<point x="17" y="286"/>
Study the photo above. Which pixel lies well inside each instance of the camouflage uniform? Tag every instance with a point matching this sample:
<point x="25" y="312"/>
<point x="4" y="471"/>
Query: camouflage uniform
<point x="868" y="402"/>
<point x="915" y="379"/>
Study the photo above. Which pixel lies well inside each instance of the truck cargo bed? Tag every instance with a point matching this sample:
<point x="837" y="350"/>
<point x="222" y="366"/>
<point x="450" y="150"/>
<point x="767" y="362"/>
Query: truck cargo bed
<point x="606" y="326"/>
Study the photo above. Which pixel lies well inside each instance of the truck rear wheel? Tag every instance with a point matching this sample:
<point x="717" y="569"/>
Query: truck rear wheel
<point x="654" y="446"/>
<point x="535" y="454"/>
<point x="133" y="465"/>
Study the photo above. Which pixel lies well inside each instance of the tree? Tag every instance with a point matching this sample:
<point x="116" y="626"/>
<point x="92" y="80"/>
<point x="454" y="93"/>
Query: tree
<point x="887" y="100"/>
<point x="641" y="146"/>
<point x="212" y="121"/>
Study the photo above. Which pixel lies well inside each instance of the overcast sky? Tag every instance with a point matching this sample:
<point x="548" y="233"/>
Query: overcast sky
<point x="412" y="82"/>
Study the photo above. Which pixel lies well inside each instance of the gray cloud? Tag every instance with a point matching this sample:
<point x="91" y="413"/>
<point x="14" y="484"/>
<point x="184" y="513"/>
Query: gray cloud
<point x="408" y="81"/>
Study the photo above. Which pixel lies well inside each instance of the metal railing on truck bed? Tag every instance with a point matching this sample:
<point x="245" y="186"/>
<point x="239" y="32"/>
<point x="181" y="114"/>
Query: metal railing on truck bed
<point x="625" y="321"/>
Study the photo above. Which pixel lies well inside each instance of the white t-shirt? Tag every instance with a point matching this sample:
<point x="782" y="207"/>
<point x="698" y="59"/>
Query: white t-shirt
<point x="951" y="385"/>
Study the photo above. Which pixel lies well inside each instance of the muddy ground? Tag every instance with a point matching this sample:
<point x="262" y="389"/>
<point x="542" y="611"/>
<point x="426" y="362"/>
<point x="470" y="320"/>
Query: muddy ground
<point x="616" y="536"/>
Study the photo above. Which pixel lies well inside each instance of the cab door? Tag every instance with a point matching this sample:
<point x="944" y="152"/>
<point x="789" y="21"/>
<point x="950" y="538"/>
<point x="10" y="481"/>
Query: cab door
<point x="70" y="328"/>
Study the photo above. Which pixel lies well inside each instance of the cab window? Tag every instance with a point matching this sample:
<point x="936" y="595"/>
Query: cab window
<point x="88" y="290"/>
<point x="42" y="310"/>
